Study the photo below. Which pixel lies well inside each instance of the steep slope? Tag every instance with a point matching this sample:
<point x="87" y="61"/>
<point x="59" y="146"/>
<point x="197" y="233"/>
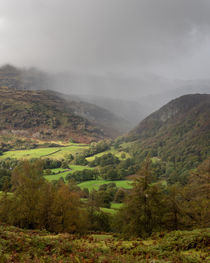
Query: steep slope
<point x="153" y="102"/>
<point x="33" y="79"/>
<point x="112" y="124"/>
<point x="179" y="132"/>
<point x="43" y="115"/>
<point x="130" y="111"/>
<point x="29" y="79"/>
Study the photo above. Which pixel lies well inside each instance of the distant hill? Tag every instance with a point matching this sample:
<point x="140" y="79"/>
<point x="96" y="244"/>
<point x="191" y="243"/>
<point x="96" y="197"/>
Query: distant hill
<point x="29" y="79"/>
<point x="43" y="115"/>
<point x="32" y="79"/>
<point x="129" y="111"/>
<point x="153" y="102"/>
<point x="111" y="123"/>
<point x="179" y="132"/>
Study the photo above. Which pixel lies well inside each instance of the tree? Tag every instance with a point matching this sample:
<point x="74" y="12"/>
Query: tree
<point x="143" y="210"/>
<point x="5" y="179"/>
<point x="196" y="196"/>
<point x="123" y="155"/>
<point x="37" y="203"/>
<point x="119" y="195"/>
<point x="174" y="215"/>
<point x="27" y="181"/>
<point x="66" y="211"/>
<point x="80" y="160"/>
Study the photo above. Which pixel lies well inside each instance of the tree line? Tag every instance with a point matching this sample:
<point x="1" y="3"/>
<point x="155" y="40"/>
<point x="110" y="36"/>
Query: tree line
<point x="150" y="206"/>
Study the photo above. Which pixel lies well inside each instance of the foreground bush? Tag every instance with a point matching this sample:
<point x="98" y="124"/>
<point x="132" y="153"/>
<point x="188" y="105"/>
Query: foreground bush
<point x="18" y="245"/>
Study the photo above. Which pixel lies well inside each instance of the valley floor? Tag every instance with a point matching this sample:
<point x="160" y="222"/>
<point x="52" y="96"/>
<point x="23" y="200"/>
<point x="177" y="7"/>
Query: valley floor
<point x="18" y="245"/>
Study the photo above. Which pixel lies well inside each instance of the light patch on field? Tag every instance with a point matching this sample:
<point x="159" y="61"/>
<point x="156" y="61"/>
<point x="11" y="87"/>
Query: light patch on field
<point x="116" y="205"/>
<point x="115" y="152"/>
<point x="94" y="184"/>
<point x="108" y="210"/>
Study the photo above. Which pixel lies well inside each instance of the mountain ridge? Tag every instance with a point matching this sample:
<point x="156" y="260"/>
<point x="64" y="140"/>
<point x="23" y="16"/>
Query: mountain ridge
<point x="33" y="79"/>
<point x="178" y="132"/>
<point x="43" y="115"/>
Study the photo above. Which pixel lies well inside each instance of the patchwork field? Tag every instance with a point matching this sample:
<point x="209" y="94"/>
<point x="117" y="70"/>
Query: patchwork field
<point x="59" y="152"/>
<point x="60" y="172"/>
<point x="51" y="152"/>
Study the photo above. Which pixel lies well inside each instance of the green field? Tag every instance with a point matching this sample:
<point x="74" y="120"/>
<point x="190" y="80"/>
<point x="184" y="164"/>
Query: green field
<point x="58" y="152"/>
<point x="113" y="209"/>
<point x="108" y="210"/>
<point x="94" y="184"/>
<point x="116" y="205"/>
<point x="63" y="172"/>
<point x="51" y="152"/>
<point x="112" y="150"/>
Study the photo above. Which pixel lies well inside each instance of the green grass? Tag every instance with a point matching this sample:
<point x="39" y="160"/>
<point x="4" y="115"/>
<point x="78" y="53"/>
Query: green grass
<point x="108" y="210"/>
<point x="155" y="160"/>
<point x="56" y="176"/>
<point x="94" y="184"/>
<point x="116" y="205"/>
<point x="2" y="194"/>
<point x="113" y="151"/>
<point x="51" y="152"/>
<point x="79" y="168"/>
<point x="113" y="209"/>
<point x="63" y="173"/>
<point x="58" y="152"/>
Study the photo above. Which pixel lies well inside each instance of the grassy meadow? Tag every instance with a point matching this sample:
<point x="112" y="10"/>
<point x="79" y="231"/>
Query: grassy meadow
<point x="113" y="209"/>
<point x="61" y="172"/>
<point x="51" y="152"/>
<point x="115" y="152"/>
<point x="95" y="184"/>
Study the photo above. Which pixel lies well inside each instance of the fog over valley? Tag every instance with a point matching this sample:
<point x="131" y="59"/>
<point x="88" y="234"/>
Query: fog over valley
<point x="129" y="57"/>
<point x="105" y="131"/>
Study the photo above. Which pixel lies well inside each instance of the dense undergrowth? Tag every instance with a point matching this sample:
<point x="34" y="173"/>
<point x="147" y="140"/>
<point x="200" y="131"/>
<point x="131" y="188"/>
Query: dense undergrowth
<point x="19" y="245"/>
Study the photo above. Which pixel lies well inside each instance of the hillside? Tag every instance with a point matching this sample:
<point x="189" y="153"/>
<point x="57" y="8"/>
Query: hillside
<point x="43" y="115"/>
<point x="178" y="132"/>
<point x="29" y="79"/>
<point x="131" y="111"/>
<point x="112" y="124"/>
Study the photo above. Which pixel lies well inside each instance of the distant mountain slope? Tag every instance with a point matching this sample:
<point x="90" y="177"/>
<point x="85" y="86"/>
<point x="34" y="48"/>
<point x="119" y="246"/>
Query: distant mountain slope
<point x="29" y="79"/>
<point x="153" y="102"/>
<point x="33" y="79"/>
<point x="111" y="123"/>
<point x="43" y="115"/>
<point x="130" y="111"/>
<point x="178" y="132"/>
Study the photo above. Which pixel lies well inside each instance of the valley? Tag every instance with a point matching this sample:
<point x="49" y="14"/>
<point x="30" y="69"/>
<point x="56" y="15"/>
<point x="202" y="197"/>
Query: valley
<point x="104" y="131"/>
<point x="61" y="155"/>
<point x="67" y="176"/>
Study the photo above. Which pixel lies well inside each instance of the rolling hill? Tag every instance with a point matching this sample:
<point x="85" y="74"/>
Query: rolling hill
<point x="105" y="119"/>
<point x="179" y="132"/>
<point x="43" y="115"/>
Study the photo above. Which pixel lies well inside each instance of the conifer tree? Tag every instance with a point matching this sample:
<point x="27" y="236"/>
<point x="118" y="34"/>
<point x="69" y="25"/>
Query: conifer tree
<point x="143" y="211"/>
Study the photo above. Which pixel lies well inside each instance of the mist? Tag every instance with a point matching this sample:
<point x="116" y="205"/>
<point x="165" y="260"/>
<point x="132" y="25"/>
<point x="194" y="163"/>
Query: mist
<point x="146" y="51"/>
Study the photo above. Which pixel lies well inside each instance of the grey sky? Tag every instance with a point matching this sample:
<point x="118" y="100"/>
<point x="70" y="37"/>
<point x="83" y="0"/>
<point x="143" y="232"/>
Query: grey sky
<point x="170" y="38"/>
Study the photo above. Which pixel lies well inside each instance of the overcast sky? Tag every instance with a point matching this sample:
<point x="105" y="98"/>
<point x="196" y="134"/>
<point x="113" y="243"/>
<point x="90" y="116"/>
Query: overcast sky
<point x="168" y="38"/>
